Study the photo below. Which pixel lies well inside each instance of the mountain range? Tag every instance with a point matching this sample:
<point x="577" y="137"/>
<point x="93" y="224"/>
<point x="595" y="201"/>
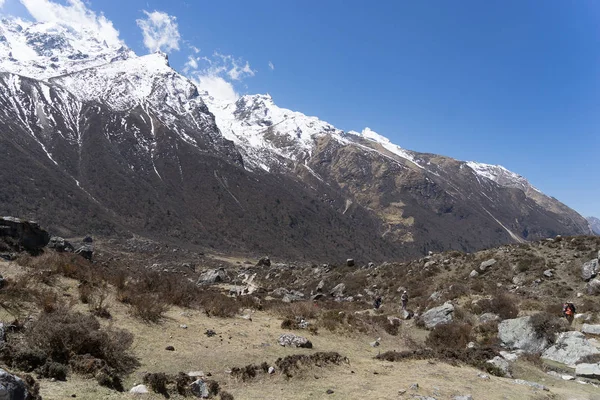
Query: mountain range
<point x="94" y="139"/>
<point x="594" y="224"/>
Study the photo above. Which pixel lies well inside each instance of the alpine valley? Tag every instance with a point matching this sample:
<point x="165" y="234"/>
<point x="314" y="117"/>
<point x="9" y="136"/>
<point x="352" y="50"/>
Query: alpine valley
<point x="94" y="139"/>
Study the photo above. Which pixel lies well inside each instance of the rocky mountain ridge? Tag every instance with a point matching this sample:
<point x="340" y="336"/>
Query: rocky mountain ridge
<point x="88" y="125"/>
<point x="594" y="224"/>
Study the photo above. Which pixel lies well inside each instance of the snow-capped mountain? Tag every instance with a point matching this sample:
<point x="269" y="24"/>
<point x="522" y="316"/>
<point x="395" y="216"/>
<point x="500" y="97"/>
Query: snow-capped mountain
<point x="594" y="224"/>
<point x="105" y="141"/>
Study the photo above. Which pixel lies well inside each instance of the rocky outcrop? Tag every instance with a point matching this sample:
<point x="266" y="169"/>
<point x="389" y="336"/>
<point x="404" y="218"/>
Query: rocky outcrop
<point x="22" y="235"/>
<point x="338" y="290"/>
<point x="12" y="387"/>
<point x="291" y="340"/>
<point x="213" y="276"/>
<point x="519" y="333"/>
<point x="438" y="315"/>
<point x="86" y="251"/>
<point x="486" y="264"/>
<point x="593" y="287"/>
<point x="588" y="370"/>
<point x="61" y="245"/>
<point x="591" y="329"/>
<point x="570" y="348"/>
<point x="501" y="365"/>
<point x="589" y="269"/>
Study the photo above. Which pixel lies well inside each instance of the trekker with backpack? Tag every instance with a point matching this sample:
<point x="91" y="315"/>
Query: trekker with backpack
<point x="569" y="311"/>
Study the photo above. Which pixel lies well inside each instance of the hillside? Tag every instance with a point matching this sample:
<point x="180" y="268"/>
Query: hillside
<point x="95" y="139"/>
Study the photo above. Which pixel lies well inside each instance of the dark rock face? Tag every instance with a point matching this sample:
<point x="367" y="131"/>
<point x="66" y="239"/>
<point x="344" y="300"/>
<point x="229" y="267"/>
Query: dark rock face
<point x="12" y="387"/>
<point x="22" y="234"/>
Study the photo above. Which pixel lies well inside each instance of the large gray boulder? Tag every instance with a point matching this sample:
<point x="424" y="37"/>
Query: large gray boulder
<point x="61" y="245"/>
<point x="502" y="365"/>
<point x="291" y="340"/>
<point x="518" y="333"/>
<point x="589" y="270"/>
<point x="438" y="315"/>
<point x="21" y="234"/>
<point x="12" y="387"/>
<point x="591" y="329"/>
<point x="200" y="389"/>
<point x="213" y="276"/>
<point x="486" y="264"/>
<point x="86" y="251"/>
<point x="593" y="287"/>
<point x="588" y="370"/>
<point x="570" y="348"/>
<point x="338" y="290"/>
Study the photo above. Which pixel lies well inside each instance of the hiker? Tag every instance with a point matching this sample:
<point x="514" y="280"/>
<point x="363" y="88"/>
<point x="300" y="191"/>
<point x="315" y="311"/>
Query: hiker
<point x="569" y="311"/>
<point x="404" y="299"/>
<point x="377" y="302"/>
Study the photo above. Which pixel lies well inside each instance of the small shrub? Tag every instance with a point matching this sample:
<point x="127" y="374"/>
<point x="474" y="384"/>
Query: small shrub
<point x="547" y="326"/>
<point x="157" y="382"/>
<point x="226" y="396"/>
<point x="149" y="307"/>
<point x="504" y="306"/>
<point x="454" y="335"/>
<point x="487" y="333"/>
<point x="53" y="370"/>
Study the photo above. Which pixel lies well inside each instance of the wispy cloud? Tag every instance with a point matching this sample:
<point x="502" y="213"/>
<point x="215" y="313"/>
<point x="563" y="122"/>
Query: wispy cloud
<point x="218" y="74"/>
<point x="2" y="3"/>
<point x="271" y="66"/>
<point x="74" y="14"/>
<point x="160" y="31"/>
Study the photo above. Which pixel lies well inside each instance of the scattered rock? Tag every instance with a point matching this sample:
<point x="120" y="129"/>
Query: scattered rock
<point x="195" y="374"/>
<point x="589" y="270"/>
<point x="591" y="329"/>
<point x="375" y="343"/>
<point x="86" y="251"/>
<point x="213" y="276"/>
<point x="483" y="376"/>
<point x="518" y="333"/>
<point x="414" y="386"/>
<point x="570" y="348"/>
<point x="407" y="314"/>
<point x="531" y="384"/>
<point x="486" y="317"/>
<point x="583" y="317"/>
<point x="464" y="397"/>
<point x="438" y="315"/>
<point x="199" y="389"/>
<point x="593" y="287"/>
<point x="320" y="286"/>
<point x="429" y="264"/>
<point x="588" y="370"/>
<point x="338" y="290"/>
<point x="291" y="340"/>
<point x="292" y="296"/>
<point x="264" y="262"/>
<point x="435" y="296"/>
<point x="473" y="274"/>
<point x="350" y="262"/>
<point x="501" y="364"/>
<point x="183" y="326"/>
<point x="401" y="391"/>
<point x="139" y="389"/>
<point x="511" y="356"/>
<point x="549" y="273"/>
<point x="210" y="333"/>
<point x="12" y="387"/>
<point x="329" y="391"/>
<point x="486" y="264"/>
<point x="271" y="370"/>
<point x="170" y="348"/>
<point x="61" y="245"/>
<point x="88" y="239"/>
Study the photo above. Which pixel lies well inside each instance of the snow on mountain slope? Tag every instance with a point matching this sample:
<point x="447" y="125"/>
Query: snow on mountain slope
<point x="501" y="176"/>
<point x="124" y="84"/>
<point x="47" y="49"/>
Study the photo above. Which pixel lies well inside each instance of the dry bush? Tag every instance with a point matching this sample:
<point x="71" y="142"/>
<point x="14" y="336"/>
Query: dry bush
<point x="149" y="307"/>
<point x="547" y="326"/>
<point x="304" y="309"/>
<point x="553" y="309"/>
<point x="15" y="293"/>
<point x="487" y="333"/>
<point x="453" y="335"/>
<point x="157" y="382"/>
<point x="455" y="291"/>
<point x="226" y="396"/>
<point x="61" y="335"/>
<point x="504" y="306"/>
<point x="530" y="304"/>
<point x="292" y="363"/>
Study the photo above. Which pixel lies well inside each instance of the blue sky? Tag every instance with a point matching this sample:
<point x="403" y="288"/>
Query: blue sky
<point x="515" y="83"/>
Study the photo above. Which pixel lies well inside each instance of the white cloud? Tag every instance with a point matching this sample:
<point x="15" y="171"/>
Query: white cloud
<point x="271" y="66"/>
<point x="218" y="74"/>
<point x="74" y="14"/>
<point x="2" y="3"/>
<point x="160" y="31"/>
<point x="195" y="49"/>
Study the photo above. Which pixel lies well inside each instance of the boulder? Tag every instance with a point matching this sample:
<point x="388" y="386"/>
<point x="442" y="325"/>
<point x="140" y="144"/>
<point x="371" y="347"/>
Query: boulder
<point x="292" y="296"/>
<point x="86" y="251"/>
<point x="589" y="270"/>
<point x="139" y="389"/>
<point x="501" y="364"/>
<point x="23" y="235"/>
<point x="518" y="333"/>
<point x="534" y="385"/>
<point x="12" y="387"/>
<point x="279" y="292"/>
<point x="213" y="276"/>
<point x="465" y="397"/>
<point x="291" y="340"/>
<point x="61" y="245"/>
<point x="486" y="264"/>
<point x="407" y="314"/>
<point x="438" y="315"/>
<point x="264" y="262"/>
<point x="338" y="290"/>
<point x="593" y="287"/>
<point x="549" y="273"/>
<point x="199" y="389"/>
<point x="88" y="239"/>
<point x="473" y="274"/>
<point x="486" y="317"/>
<point x="570" y="348"/>
<point x="320" y="286"/>
<point x="591" y="329"/>
<point x="588" y="370"/>
<point x="350" y="262"/>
